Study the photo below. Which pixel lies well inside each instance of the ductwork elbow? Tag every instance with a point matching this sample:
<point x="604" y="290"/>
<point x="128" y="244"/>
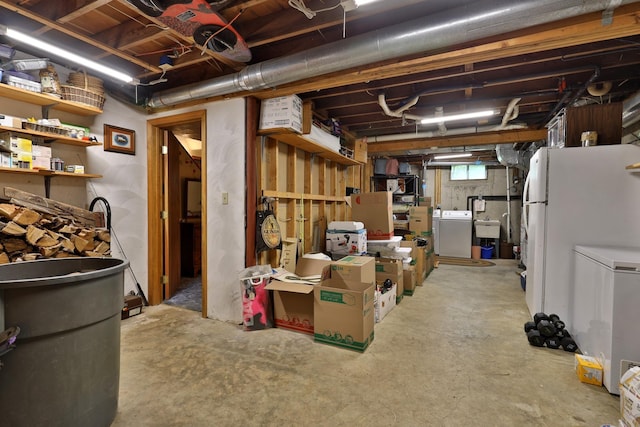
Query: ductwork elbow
<point x="511" y="113"/>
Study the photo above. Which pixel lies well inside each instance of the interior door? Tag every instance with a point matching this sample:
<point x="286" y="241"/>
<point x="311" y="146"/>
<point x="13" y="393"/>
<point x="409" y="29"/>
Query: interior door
<point x="171" y="215"/>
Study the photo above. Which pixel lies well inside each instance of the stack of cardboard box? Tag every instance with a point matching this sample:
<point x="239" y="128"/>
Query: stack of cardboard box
<point x="421" y="226"/>
<point x="375" y="210"/>
<point x="342" y="306"/>
<point x="338" y="309"/>
<point x="15" y="151"/>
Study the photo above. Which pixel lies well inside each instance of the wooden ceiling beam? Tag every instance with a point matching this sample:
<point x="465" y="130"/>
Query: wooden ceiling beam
<point x="69" y="32"/>
<point x="576" y="31"/>
<point x="482" y="138"/>
<point x="81" y="11"/>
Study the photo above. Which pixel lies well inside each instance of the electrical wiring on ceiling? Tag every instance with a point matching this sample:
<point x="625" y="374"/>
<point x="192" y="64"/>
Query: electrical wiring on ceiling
<point x="299" y="5"/>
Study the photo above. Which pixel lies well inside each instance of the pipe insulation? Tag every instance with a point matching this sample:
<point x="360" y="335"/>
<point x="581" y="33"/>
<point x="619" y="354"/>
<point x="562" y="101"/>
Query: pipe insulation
<point x="447" y="28"/>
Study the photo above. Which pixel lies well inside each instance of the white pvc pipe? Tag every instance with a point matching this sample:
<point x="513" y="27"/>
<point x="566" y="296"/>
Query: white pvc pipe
<point x="508" y="207"/>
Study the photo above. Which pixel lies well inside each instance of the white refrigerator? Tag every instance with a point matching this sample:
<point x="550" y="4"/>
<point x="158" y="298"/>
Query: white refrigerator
<point x="606" y="304"/>
<point x="575" y="196"/>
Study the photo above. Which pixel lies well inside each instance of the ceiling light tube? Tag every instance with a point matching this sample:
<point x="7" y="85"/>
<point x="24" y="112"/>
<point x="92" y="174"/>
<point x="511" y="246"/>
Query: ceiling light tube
<point x="56" y="51"/>
<point x="462" y="116"/>
<point x="349" y="5"/>
<point x="452" y="156"/>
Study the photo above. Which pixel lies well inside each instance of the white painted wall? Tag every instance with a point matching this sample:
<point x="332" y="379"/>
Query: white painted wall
<point x="124" y="185"/>
<point x="225" y="162"/>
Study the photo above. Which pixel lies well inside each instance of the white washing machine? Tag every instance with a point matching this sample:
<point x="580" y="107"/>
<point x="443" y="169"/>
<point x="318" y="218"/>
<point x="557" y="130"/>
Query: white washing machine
<point x="454" y="233"/>
<point x="436" y="231"/>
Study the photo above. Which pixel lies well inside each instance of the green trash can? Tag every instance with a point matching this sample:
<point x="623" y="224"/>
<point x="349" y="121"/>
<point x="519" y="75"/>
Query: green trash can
<point x="65" y="367"/>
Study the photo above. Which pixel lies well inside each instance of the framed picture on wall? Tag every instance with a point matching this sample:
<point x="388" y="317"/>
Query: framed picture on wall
<point x="120" y="140"/>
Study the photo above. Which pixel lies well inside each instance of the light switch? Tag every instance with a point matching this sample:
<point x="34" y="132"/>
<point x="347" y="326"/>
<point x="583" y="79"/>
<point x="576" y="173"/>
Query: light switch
<point x="225" y="198"/>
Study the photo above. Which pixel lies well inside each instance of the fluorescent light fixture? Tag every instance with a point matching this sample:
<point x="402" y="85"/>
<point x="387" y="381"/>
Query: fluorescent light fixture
<point x="349" y="5"/>
<point x="70" y="56"/>
<point x="462" y="116"/>
<point x="452" y="156"/>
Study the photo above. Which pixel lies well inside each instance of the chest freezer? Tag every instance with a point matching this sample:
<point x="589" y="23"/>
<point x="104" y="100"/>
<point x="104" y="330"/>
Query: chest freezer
<point x="605" y="315"/>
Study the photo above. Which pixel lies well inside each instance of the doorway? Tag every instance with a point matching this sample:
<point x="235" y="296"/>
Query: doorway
<point x="164" y="214"/>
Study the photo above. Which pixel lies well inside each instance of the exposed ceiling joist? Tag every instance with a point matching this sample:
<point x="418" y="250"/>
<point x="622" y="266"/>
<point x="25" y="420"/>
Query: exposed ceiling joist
<point x="484" y="138"/>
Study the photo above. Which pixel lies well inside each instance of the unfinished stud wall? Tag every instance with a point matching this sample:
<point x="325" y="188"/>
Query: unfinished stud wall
<point x="309" y="192"/>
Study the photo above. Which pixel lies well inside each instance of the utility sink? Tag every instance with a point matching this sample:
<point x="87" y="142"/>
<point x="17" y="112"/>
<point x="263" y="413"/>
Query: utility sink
<point x="487" y="228"/>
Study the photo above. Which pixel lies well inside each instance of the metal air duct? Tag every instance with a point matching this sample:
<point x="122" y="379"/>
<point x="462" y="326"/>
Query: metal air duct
<point x="460" y="25"/>
<point x="631" y="110"/>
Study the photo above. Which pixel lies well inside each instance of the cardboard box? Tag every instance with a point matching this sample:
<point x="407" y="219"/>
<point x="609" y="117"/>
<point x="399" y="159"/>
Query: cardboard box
<point x="40" y="150"/>
<point x="409" y="280"/>
<point x="311" y="266"/>
<point x="10" y="121"/>
<point x="10" y="141"/>
<point x="375" y="210"/>
<point x="355" y="268"/>
<point x="284" y="112"/>
<point x="293" y="302"/>
<point x="387" y="268"/>
<point x="346" y="242"/>
<point x="344" y="313"/>
<point x="360" y="151"/>
<point x="384" y="303"/>
<point x="21" y="160"/>
<point x="292" y="306"/>
<point x="132" y="306"/>
<point x="588" y="369"/>
<point x="41" y="162"/>
<point x="288" y="253"/>
<point x="421" y="219"/>
<point x="431" y="262"/>
<point x="421" y="267"/>
<point x="630" y="397"/>
<point x="74" y="168"/>
<point x="5" y="160"/>
<point x="424" y="201"/>
<point x="410" y="244"/>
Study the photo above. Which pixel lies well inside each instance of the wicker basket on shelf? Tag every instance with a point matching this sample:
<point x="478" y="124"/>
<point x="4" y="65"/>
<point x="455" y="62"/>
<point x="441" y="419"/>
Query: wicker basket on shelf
<point x="85" y="81"/>
<point x="84" y="89"/>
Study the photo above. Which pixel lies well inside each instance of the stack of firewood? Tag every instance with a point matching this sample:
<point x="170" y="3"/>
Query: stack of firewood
<point x="33" y="227"/>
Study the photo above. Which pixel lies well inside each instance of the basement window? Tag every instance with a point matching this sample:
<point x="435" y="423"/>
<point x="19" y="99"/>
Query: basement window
<point x="466" y="172"/>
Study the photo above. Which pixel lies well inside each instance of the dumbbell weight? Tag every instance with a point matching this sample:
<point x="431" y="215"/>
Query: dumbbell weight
<point x="535" y="338"/>
<point x="568" y="344"/>
<point x="552" y="342"/>
<point x="529" y="326"/>
<point x="539" y="316"/>
<point x="546" y="328"/>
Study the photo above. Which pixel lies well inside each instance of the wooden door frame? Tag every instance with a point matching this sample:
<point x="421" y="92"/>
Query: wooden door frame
<point x="155" y="138"/>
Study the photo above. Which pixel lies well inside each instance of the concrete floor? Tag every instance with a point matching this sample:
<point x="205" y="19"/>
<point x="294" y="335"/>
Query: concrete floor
<point x="454" y="354"/>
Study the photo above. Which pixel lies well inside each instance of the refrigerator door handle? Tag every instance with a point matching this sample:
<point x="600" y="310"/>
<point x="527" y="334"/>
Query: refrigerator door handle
<point x="525" y="204"/>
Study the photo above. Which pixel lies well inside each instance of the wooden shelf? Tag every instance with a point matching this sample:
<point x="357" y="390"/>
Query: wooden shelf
<point x="48" y="173"/>
<point x="299" y="196"/>
<point x="48" y="101"/>
<point x="50" y="137"/>
<point x="305" y="144"/>
<point x="635" y="167"/>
